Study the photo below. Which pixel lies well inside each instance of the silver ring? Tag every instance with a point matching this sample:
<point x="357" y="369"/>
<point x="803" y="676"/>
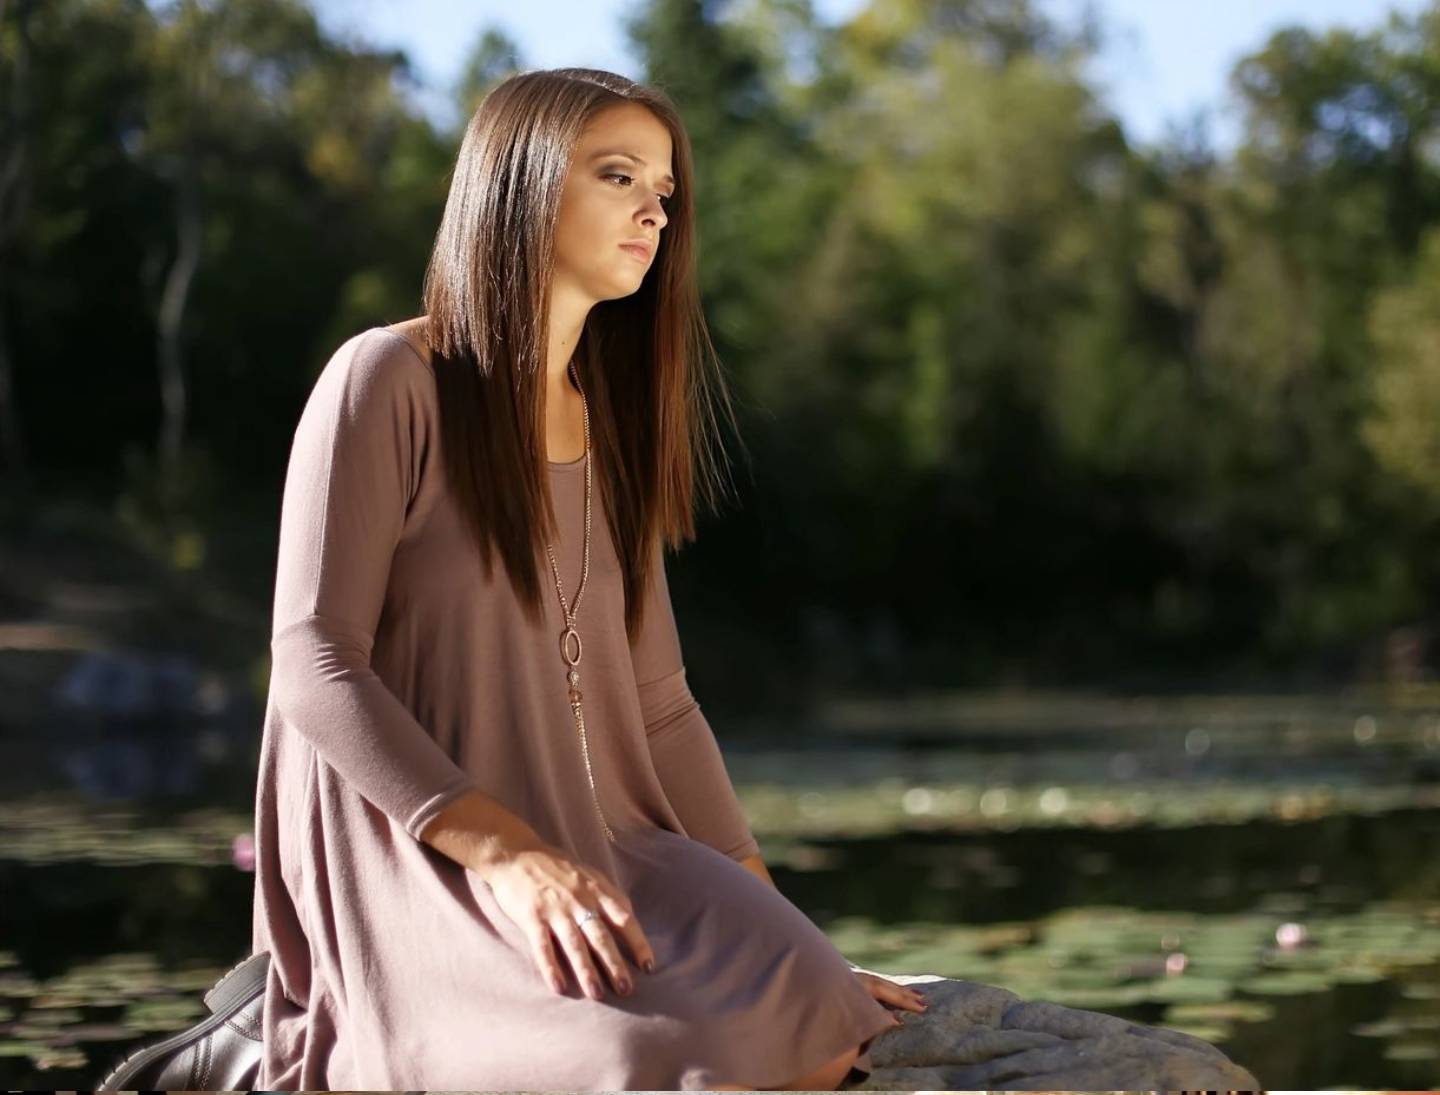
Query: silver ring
<point x="588" y="914"/>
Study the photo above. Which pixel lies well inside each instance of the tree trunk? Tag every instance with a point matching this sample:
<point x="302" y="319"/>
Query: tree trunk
<point x="169" y="329"/>
<point x="15" y="191"/>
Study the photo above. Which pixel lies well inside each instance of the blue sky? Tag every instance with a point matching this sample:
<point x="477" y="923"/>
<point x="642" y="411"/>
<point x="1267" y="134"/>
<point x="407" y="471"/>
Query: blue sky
<point x="1165" y="59"/>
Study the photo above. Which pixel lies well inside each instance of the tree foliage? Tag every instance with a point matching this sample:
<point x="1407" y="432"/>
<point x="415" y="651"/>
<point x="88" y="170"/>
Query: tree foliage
<point x="1025" y="399"/>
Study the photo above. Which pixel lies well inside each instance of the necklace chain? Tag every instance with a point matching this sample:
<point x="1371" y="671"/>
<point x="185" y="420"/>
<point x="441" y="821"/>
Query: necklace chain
<point x="570" y="634"/>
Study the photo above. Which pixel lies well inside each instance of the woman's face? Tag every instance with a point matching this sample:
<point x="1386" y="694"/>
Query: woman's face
<point x="611" y="200"/>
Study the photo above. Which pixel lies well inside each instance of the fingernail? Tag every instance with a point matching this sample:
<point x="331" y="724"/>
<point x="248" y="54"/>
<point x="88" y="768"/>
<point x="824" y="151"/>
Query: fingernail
<point x="649" y="965"/>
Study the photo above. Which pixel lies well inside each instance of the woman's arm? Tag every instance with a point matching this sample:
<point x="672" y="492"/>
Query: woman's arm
<point x="690" y="767"/>
<point x="352" y="471"/>
<point x="682" y="746"/>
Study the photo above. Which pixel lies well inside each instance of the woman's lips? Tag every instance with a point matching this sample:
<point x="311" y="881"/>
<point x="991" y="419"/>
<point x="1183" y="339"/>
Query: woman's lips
<point x="635" y="249"/>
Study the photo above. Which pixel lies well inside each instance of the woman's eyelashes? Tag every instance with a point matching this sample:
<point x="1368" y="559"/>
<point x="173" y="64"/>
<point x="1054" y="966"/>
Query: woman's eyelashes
<point x="664" y="198"/>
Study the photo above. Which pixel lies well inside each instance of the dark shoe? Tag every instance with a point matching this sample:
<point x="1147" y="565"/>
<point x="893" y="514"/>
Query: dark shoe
<point x="219" y="1053"/>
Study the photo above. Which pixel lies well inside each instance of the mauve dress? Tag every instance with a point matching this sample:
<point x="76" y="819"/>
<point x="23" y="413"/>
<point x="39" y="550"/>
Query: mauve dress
<point x="400" y="679"/>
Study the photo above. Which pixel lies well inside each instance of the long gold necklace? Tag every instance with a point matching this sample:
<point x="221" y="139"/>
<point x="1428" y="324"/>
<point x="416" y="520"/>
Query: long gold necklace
<point x="570" y="636"/>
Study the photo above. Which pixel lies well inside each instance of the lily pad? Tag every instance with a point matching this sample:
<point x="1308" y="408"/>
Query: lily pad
<point x="1188" y="990"/>
<point x="1243" y="1011"/>
<point x="1212" y="1033"/>
<point x="1412" y="1051"/>
<point x="20" y="1048"/>
<point x="1287" y="984"/>
<point x="1380" y="1028"/>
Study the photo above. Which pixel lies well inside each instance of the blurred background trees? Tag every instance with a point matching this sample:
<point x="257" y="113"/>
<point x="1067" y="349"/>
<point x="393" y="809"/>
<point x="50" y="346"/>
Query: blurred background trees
<point x="1024" y="403"/>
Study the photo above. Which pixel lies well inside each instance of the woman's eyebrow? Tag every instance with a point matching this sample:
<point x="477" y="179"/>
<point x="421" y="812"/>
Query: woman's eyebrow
<point x="629" y="156"/>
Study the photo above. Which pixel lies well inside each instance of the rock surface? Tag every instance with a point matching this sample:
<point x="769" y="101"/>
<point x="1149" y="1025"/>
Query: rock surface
<point x="976" y="1037"/>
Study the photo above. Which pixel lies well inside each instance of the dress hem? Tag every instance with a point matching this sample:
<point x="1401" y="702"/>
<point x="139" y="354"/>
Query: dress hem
<point x="853" y="1035"/>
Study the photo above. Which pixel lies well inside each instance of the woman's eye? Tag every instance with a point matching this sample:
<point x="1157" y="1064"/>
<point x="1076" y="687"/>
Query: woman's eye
<point x="664" y="198"/>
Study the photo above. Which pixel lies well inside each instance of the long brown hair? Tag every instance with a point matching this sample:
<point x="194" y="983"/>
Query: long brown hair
<point x="649" y="370"/>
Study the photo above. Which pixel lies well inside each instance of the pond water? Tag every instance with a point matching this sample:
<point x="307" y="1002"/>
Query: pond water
<point x="1282" y="903"/>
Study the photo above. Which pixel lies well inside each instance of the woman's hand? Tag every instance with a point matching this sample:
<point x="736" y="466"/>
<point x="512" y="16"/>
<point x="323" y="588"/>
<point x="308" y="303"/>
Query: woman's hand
<point x="544" y="890"/>
<point x="895" y="995"/>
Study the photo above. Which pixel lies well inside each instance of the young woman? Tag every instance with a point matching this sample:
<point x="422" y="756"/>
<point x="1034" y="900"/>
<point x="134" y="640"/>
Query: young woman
<point x="497" y="844"/>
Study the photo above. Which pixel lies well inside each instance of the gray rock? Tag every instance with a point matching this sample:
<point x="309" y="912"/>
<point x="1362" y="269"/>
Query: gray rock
<point x="976" y="1037"/>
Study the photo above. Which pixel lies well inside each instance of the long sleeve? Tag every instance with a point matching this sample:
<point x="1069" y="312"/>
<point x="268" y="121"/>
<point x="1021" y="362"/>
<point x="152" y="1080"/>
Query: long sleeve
<point x="683" y="748"/>
<point x="353" y="468"/>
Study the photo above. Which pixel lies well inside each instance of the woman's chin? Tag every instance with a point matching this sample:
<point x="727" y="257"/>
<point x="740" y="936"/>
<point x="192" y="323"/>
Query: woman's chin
<point x="625" y="285"/>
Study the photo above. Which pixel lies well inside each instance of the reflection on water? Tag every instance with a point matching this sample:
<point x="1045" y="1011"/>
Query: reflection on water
<point x="1291" y="915"/>
<point x="141" y="724"/>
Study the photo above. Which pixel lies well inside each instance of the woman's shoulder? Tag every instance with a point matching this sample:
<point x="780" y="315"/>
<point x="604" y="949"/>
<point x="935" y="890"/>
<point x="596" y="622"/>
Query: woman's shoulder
<point x="375" y="368"/>
<point x="399" y="347"/>
<point x="412" y="333"/>
<point x="391" y="358"/>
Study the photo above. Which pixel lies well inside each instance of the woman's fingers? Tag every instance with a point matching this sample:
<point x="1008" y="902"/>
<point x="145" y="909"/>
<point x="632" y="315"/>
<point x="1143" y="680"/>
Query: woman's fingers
<point x="907" y="998"/>
<point x="576" y="945"/>
<point x="556" y="899"/>
<point x="598" y="932"/>
<point x="914" y="1001"/>
<point x="621" y="913"/>
<point x="896" y="995"/>
<point x="539" y="936"/>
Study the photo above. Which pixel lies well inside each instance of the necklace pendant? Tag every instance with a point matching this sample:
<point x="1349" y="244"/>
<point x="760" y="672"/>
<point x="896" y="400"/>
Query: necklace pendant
<point x="565" y="641"/>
